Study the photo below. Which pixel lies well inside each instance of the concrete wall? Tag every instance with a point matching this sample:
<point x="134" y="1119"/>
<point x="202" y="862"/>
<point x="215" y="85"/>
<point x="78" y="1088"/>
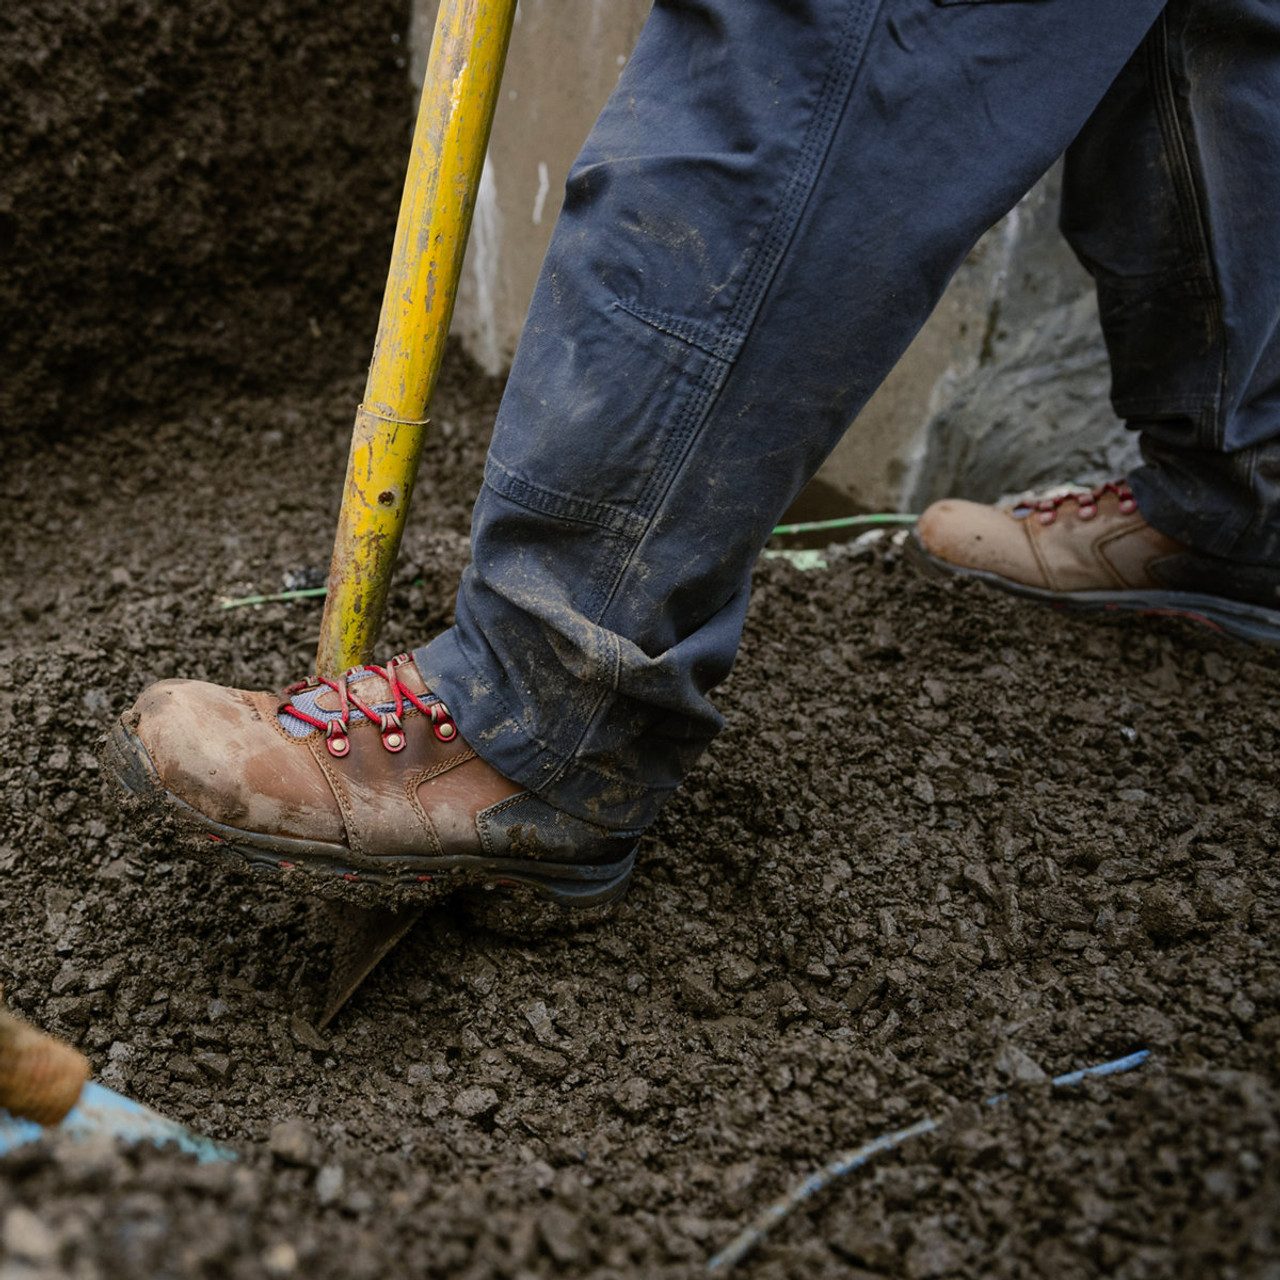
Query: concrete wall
<point x="1006" y="387"/>
<point x="564" y="60"/>
<point x="1019" y="280"/>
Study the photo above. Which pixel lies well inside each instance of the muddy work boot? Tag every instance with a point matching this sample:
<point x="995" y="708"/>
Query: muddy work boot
<point x="360" y="788"/>
<point x="1092" y="550"/>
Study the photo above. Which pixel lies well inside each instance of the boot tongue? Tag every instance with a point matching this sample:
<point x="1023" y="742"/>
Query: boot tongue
<point x="323" y="703"/>
<point x="372" y="689"/>
<point x="362" y="683"/>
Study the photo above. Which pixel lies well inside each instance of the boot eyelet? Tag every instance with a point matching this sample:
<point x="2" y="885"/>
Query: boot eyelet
<point x="337" y="741"/>
<point x="392" y="730"/>
<point x="445" y="730"/>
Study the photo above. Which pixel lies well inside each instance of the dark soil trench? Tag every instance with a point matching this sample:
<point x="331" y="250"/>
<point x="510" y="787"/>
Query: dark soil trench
<point x="948" y="845"/>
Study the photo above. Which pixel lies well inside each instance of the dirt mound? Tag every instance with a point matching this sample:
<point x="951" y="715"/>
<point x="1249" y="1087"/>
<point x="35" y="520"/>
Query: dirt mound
<point x="198" y="199"/>
<point x="948" y="844"/>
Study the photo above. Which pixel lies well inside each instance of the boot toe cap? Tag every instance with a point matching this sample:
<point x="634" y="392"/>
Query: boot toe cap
<point x="961" y="533"/>
<point x="972" y="538"/>
<point x="220" y="752"/>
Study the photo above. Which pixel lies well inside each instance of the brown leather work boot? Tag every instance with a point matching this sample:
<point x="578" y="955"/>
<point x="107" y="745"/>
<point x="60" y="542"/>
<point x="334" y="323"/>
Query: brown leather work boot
<point x="363" y="781"/>
<point x="1090" y="550"/>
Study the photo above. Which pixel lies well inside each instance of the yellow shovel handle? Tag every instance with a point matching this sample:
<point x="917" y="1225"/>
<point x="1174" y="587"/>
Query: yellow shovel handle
<point x="464" y="73"/>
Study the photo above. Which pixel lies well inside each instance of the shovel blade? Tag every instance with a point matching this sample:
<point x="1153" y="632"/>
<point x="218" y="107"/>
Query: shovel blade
<point x="363" y="937"/>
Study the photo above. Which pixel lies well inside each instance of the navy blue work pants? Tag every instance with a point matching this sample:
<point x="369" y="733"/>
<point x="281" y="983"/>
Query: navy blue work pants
<point x="763" y="217"/>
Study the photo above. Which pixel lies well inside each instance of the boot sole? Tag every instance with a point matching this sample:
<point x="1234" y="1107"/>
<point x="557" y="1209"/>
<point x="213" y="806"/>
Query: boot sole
<point x="335" y="872"/>
<point x="1247" y="622"/>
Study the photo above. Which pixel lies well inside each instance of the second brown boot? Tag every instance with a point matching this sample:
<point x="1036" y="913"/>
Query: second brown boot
<point x="1091" y="549"/>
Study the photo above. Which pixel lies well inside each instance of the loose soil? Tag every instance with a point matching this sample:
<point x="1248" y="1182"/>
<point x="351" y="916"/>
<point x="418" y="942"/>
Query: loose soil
<point x="197" y="197"/>
<point x="949" y="844"/>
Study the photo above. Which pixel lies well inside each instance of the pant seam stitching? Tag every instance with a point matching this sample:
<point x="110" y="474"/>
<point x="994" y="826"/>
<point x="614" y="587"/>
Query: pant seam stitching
<point x="560" y="762"/>
<point x="1189" y="205"/>
<point x="561" y="505"/>
<point x="1136" y="406"/>
<point x="817" y="144"/>
<point x="685" y="331"/>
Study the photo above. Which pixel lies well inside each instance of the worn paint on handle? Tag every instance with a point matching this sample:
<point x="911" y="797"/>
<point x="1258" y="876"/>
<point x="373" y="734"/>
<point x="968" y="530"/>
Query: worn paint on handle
<point x="464" y="73"/>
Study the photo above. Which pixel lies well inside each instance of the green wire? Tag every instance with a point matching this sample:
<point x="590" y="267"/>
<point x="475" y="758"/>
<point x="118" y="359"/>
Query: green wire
<point x="845" y="522"/>
<point x="305" y="593"/>
<point x="809" y="526"/>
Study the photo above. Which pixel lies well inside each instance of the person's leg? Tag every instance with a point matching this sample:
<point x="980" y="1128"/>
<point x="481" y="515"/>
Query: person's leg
<point x="764" y="216"/>
<point x="1171" y="199"/>
<point x="766" y="213"/>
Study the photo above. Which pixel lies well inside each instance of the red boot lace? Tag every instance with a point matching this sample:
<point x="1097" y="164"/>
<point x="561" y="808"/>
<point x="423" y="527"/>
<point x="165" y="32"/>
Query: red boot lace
<point x="1046" y="509"/>
<point x="391" y="723"/>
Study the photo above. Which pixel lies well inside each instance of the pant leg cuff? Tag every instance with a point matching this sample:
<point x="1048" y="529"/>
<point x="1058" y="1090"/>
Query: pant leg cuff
<point x="1200" y="512"/>
<point x="504" y="739"/>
